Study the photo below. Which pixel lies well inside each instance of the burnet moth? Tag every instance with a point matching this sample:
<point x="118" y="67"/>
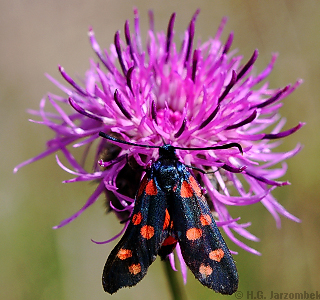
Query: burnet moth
<point x="170" y="208"/>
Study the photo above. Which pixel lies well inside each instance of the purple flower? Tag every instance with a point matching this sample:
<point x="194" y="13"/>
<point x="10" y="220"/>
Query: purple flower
<point x="191" y="94"/>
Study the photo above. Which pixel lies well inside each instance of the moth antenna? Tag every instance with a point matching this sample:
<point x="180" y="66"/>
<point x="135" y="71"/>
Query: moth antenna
<point x="111" y="138"/>
<point x="226" y="146"/>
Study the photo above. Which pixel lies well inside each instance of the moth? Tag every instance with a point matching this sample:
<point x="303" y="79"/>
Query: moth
<point x="170" y="208"/>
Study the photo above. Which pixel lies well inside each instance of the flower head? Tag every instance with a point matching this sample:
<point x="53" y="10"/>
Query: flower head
<point x="191" y="94"/>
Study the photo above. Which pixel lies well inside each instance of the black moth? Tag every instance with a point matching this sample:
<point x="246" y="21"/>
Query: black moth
<point x="170" y="208"/>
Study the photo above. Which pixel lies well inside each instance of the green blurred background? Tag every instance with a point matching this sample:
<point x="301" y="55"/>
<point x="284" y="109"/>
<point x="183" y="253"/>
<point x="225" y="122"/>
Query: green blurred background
<point x="37" y="262"/>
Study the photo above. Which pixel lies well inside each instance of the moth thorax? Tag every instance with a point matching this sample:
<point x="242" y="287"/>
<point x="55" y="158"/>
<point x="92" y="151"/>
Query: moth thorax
<point x="168" y="177"/>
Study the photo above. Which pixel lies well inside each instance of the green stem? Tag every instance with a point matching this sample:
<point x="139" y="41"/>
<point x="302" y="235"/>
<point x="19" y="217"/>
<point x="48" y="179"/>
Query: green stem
<point x="177" y="291"/>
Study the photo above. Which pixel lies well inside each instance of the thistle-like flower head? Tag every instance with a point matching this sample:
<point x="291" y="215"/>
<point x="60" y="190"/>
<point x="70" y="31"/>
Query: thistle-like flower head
<point x="187" y="94"/>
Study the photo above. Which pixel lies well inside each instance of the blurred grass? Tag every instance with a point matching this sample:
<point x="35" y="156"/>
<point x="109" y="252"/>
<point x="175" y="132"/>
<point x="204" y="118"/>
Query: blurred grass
<point x="37" y="262"/>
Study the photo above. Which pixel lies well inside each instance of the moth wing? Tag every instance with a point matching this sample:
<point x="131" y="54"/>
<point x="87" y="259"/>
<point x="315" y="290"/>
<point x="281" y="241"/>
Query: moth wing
<point x="129" y="261"/>
<point x="203" y="248"/>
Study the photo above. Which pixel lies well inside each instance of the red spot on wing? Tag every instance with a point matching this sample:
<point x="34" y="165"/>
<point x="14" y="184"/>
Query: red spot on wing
<point x="193" y="234"/>
<point x="134" y="269"/>
<point x="195" y="186"/>
<point x="205" y="270"/>
<point x="124" y="254"/>
<point x="151" y="188"/>
<point x="171" y="224"/>
<point x="142" y="186"/>
<point x="166" y="220"/>
<point x="169" y="241"/>
<point x="186" y="190"/>
<point x="147" y="231"/>
<point x="216" y="255"/>
<point x="205" y="220"/>
<point x="137" y="218"/>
